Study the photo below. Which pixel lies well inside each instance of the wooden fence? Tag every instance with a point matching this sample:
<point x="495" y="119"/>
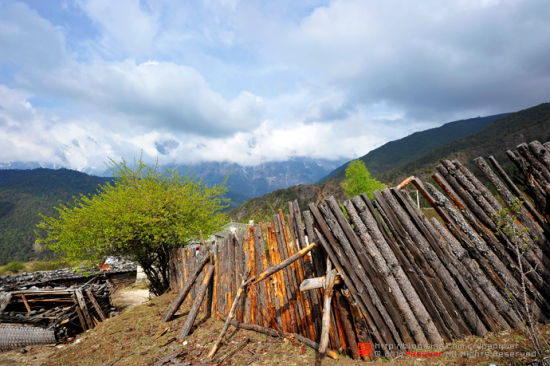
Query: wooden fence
<point x="404" y="278"/>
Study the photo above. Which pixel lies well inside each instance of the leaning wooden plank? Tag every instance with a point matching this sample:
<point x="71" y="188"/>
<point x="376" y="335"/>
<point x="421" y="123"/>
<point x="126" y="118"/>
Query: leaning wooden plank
<point x="95" y="304"/>
<point x="329" y="284"/>
<point x="242" y="288"/>
<point x="81" y="318"/>
<point x="84" y="308"/>
<point x="280" y="333"/>
<point x="276" y="268"/>
<point x="26" y="303"/>
<point x="183" y="293"/>
<point x="196" y="305"/>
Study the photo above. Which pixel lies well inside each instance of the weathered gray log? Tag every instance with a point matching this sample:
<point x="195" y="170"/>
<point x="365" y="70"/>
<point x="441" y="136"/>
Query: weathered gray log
<point x="540" y="195"/>
<point x="424" y="308"/>
<point x="231" y="315"/>
<point x="400" y="334"/>
<point x="196" y="305"/>
<point x="486" y="258"/>
<point x="481" y="281"/>
<point x="541" y="153"/>
<point x="329" y="285"/>
<point x="426" y="284"/>
<point x="347" y="254"/>
<point x="515" y="190"/>
<point x="495" y="260"/>
<point x="534" y="254"/>
<point x="316" y="254"/>
<point x="466" y="309"/>
<point x="539" y="240"/>
<point x="484" y="212"/>
<point x="185" y="291"/>
<point x="526" y="153"/>
<point x="487" y="312"/>
<point x="388" y="276"/>
<point x="361" y="299"/>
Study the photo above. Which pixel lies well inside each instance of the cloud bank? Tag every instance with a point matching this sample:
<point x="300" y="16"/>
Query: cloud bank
<point x="250" y="82"/>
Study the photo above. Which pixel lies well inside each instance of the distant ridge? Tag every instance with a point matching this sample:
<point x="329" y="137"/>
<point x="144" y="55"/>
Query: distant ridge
<point x="410" y="148"/>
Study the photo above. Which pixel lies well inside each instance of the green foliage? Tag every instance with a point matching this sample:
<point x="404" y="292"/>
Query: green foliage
<point x="142" y="216"/>
<point x="358" y="180"/>
<point x="12" y="267"/>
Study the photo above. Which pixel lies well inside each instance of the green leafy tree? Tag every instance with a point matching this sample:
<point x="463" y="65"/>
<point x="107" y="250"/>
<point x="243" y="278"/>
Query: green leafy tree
<point x="358" y="180"/>
<point x="142" y="216"/>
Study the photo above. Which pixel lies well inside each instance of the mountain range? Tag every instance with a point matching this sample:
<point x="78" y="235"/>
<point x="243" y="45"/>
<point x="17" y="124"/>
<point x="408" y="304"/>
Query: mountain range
<point x="418" y="155"/>
<point x="268" y="187"/>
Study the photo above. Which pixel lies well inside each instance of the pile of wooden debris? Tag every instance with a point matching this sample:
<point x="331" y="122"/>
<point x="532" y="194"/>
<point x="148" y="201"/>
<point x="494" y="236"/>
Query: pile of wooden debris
<point x="53" y="306"/>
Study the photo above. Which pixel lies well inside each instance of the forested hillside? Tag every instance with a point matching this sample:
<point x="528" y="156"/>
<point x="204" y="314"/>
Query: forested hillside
<point x="262" y="209"/>
<point x="504" y="134"/>
<point x="26" y="193"/>
<point x="408" y="149"/>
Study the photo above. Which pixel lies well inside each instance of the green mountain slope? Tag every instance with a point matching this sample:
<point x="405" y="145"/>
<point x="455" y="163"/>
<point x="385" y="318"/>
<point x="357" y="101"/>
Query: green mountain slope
<point x="503" y="134"/>
<point x="410" y="148"/>
<point x="26" y="193"/>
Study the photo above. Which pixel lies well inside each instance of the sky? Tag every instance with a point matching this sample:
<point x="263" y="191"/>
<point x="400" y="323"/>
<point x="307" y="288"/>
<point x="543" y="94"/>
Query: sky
<point x="252" y="81"/>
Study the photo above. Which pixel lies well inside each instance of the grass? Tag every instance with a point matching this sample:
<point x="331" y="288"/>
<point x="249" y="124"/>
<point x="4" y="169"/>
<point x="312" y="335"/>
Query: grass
<point x="16" y="267"/>
<point x="133" y="339"/>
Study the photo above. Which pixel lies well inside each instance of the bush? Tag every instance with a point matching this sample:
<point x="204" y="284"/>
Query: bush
<point x="48" y="266"/>
<point x="13" y="267"/>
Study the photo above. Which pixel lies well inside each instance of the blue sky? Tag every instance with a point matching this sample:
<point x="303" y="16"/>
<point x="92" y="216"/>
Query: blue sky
<point x="254" y="81"/>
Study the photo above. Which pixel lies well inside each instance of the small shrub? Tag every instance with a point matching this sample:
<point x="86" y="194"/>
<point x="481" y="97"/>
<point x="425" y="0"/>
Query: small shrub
<point x="48" y="265"/>
<point x="13" y="267"/>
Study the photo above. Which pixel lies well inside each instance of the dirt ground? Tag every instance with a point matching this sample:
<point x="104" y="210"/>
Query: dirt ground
<point x="139" y="337"/>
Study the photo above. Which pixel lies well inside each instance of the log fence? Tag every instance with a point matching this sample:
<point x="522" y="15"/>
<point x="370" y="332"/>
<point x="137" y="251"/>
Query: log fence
<point x="399" y="277"/>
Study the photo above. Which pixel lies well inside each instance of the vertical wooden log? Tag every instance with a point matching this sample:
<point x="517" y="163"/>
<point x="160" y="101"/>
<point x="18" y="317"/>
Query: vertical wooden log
<point x="251" y="267"/>
<point x="329" y="284"/>
<point x="290" y="291"/>
<point x="279" y="283"/>
<point x="259" y="288"/>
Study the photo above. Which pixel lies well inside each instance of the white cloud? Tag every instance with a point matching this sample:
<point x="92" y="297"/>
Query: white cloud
<point x="126" y="25"/>
<point x="257" y="81"/>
